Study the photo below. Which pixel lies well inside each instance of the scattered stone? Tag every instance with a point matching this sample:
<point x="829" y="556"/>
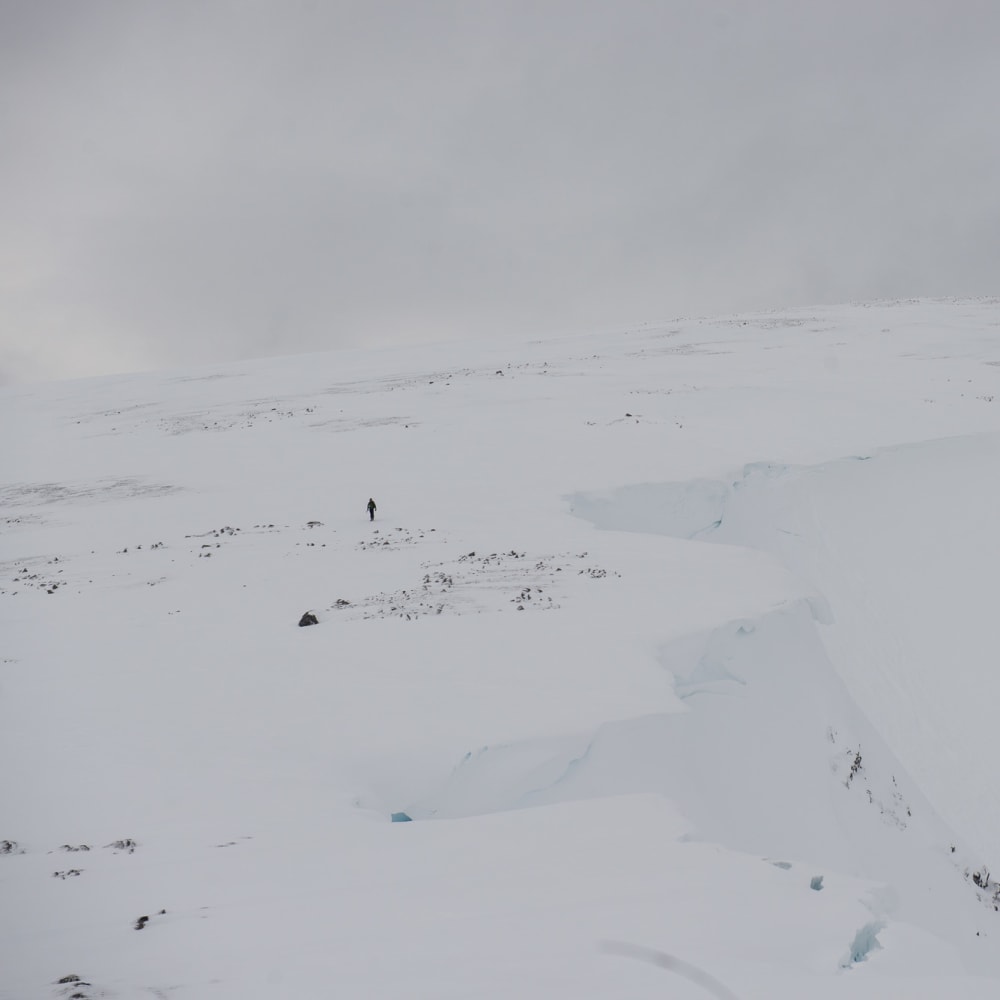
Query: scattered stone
<point x="308" y="619"/>
<point x="141" y="923"/>
<point x="128" y="845"/>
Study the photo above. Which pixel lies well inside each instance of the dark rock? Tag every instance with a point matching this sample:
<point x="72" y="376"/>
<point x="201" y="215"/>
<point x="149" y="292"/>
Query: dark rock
<point x="308" y="619"/>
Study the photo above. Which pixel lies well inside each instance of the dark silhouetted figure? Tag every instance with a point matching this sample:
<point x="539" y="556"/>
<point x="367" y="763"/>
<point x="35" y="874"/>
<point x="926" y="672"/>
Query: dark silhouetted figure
<point x="371" y="509"/>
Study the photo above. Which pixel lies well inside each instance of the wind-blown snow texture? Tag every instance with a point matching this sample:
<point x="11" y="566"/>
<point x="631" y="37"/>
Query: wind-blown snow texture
<point x="678" y="639"/>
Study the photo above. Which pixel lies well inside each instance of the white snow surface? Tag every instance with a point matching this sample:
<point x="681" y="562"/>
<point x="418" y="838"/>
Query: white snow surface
<point x="677" y="641"/>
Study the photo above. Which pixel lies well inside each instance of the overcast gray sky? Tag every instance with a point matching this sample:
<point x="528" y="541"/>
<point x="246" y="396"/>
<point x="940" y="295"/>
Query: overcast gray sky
<point x="189" y="181"/>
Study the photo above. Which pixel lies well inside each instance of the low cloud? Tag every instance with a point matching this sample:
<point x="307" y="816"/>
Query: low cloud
<point x="198" y="182"/>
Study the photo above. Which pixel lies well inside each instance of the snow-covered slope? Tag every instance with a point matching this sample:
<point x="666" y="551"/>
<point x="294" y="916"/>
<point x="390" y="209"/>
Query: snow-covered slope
<point x="678" y="638"/>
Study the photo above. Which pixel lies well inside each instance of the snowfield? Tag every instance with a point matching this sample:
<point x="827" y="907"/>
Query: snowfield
<point x="666" y="669"/>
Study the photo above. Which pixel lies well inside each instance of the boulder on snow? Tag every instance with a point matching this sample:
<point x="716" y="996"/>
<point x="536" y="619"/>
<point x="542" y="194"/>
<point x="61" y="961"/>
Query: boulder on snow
<point x="308" y="619"/>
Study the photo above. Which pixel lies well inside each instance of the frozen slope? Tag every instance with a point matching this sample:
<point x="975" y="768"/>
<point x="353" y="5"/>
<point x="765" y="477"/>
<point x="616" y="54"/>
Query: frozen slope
<point x="904" y="547"/>
<point x="901" y="544"/>
<point x="603" y="726"/>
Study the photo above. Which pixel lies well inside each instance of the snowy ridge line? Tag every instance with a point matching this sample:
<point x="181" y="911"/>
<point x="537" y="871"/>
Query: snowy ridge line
<point x="227" y="414"/>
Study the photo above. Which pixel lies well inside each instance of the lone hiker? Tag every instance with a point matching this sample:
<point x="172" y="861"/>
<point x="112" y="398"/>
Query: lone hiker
<point x="371" y="509"/>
